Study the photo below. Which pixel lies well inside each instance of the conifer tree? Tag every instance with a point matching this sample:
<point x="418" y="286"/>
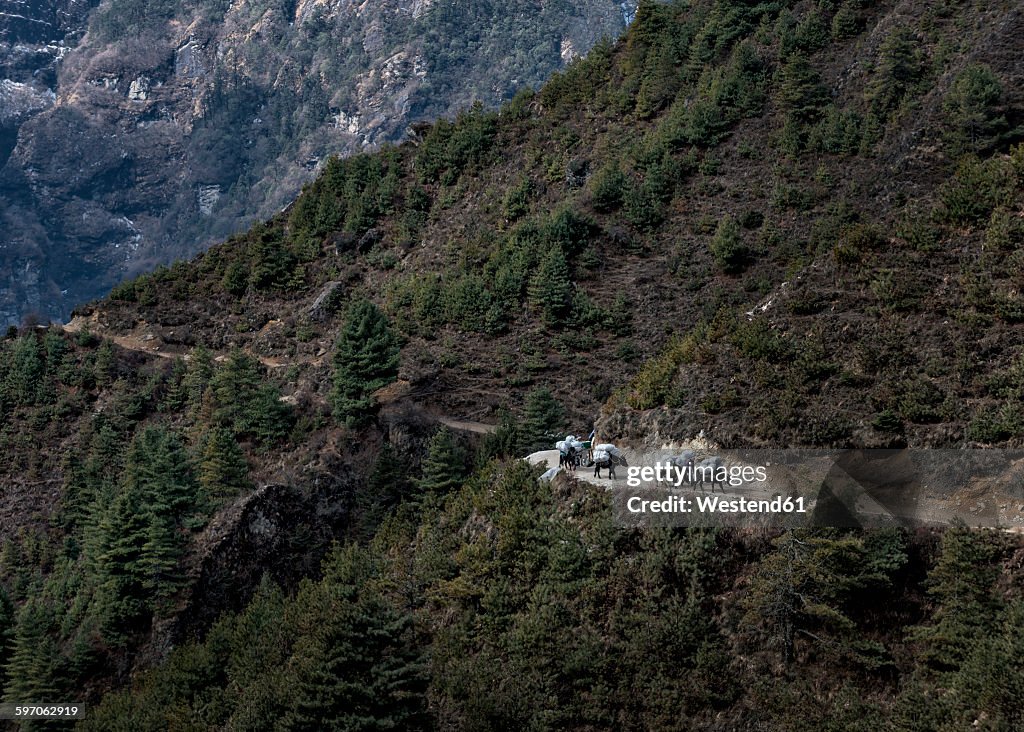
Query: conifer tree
<point x="973" y="112"/>
<point x="176" y="394"/>
<point x="445" y="466"/>
<point x="223" y="472"/>
<point x="801" y="91"/>
<point x="802" y="588"/>
<point x="121" y="599"/>
<point x="727" y="245"/>
<point x="544" y="418"/>
<point x="366" y="358"/>
<point x="388" y="484"/>
<point x="550" y="289"/>
<point x="197" y="377"/>
<point x="362" y="670"/>
<point x="504" y="442"/>
<point x="159" y="470"/>
<point x="104" y="371"/>
<point x="240" y="400"/>
<point x="962" y="584"/>
<point x="33" y="668"/>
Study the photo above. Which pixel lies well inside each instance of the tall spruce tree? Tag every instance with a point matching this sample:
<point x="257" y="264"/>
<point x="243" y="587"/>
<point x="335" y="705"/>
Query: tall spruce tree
<point x="962" y="583"/>
<point x="550" y="289"/>
<point x="362" y="669"/>
<point x="223" y="472"/>
<point x="445" y="466"/>
<point x="975" y="119"/>
<point x="33" y="668"/>
<point x="240" y="400"/>
<point x="544" y="418"/>
<point x="366" y="358"/>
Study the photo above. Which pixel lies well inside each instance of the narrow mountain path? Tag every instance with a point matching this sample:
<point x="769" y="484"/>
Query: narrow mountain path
<point x="150" y="344"/>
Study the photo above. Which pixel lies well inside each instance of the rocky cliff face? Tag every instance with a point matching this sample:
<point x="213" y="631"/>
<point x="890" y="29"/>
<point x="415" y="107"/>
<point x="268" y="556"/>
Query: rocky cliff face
<point x="165" y="127"/>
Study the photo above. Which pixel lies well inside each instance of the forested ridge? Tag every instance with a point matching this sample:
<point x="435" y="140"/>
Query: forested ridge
<point x="777" y="223"/>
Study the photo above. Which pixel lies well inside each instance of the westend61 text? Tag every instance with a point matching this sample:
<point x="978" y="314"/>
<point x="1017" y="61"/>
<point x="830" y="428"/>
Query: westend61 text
<point x="715" y="504"/>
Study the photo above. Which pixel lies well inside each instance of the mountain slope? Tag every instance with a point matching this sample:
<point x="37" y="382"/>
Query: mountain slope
<point x="788" y="224"/>
<point x="170" y="126"/>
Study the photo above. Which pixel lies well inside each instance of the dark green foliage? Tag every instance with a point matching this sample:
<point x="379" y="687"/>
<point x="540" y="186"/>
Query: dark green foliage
<point x="445" y="466"/>
<point x="800" y="89"/>
<point x="236" y="278"/>
<point x="351" y="195"/>
<point x="962" y="585"/>
<point x="388" y="484"/>
<point x="543" y="419"/>
<point x="449" y="148"/>
<point x="801" y="590"/>
<point x="646" y="202"/>
<point x="7" y="628"/>
<point x="550" y="289"/>
<point x="504" y="441"/>
<point x="811" y="33"/>
<point x="899" y="73"/>
<point x="361" y="669"/>
<point x="138" y="543"/>
<point x="974" y="112"/>
<point x="517" y="200"/>
<point x="366" y="358"/>
<point x="271" y="265"/>
<point x="22" y="371"/>
<point x="238" y="399"/>
<point x="977" y="189"/>
<point x="845" y="22"/>
<point x="32" y="670"/>
<point x="607" y="187"/>
<point x="222" y="471"/>
<point x="727" y="246"/>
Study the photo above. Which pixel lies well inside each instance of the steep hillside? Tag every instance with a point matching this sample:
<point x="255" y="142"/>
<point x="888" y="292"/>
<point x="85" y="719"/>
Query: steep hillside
<point x="169" y="126"/>
<point x="776" y="223"/>
<point x="802" y="218"/>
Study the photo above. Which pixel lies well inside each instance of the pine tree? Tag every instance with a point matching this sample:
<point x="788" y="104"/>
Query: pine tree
<point x="223" y="472"/>
<point x="801" y="91"/>
<point x="900" y="68"/>
<point x="962" y="584"/>
<point x="159" y="470"/>
<point x="366" y="358"/>
<point x="239" y="399"/>
<point x="544" y="418"/>
<point x="727" y="246"/>
<point x="388" y="484"/>
<point x="504" y="442"/>
<point x="973" y="111"/>
<point x="176" y="394"/>
<point x="197" y="377"/>
<point x="32" y="670"/>
<point x="607" y="188"/>
<point x="802" y="588"/>
<point x="122" y="596"/>
<point x="361" y="669"/>
<point x="550" y="289"/>
<point x="446" y="464"/>
<point x="104" y="371"/>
